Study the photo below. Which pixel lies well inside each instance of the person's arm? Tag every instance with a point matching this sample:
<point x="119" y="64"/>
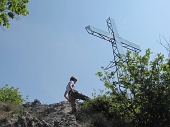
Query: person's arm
<point x="65" y="95"/>
<point x="71" y="87"/>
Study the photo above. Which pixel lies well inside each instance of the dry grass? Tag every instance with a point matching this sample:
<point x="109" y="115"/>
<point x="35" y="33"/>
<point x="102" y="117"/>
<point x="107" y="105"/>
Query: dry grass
<point x="7" y="109"/>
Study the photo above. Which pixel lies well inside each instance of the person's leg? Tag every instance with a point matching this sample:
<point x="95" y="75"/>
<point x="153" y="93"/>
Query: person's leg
<point x="78" y="95"/>
<point x="72" y="101"/>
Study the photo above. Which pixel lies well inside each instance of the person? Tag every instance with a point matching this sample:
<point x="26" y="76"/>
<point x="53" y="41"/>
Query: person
<point x="71" y="94"/>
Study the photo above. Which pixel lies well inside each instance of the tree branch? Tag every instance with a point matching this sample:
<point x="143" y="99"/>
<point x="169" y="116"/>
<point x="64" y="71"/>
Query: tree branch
<point x="168" y="44"/>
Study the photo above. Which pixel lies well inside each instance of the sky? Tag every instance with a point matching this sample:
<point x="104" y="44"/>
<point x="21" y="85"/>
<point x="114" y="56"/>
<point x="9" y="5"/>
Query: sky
<point x="40" y="52"/>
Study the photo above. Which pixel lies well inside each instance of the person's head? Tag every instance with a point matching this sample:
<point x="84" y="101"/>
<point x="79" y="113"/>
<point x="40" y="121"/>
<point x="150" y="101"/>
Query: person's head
<point x="74" y="79"/>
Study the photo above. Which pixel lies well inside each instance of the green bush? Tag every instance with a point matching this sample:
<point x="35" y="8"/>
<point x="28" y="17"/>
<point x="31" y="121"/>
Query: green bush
<point x="11" y="94"/>
<point x="100" y="111"/>
<point x="143" y="90"/>
<point x="140" y="98"/>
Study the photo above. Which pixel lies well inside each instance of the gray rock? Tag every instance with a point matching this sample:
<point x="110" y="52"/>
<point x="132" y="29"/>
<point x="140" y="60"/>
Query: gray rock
<point x="35" y="114"/>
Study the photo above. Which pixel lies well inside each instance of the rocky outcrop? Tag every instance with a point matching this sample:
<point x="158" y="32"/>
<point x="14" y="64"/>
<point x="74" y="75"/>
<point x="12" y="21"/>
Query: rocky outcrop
<point x="35" y="114"/>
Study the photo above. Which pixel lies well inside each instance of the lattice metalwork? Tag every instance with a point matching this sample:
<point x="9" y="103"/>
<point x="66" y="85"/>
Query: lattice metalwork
<point x="118" y="43"/>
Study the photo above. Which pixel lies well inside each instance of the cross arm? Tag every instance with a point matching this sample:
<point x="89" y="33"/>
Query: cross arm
<point x="128" y="43"/>
<point x="99" y="33"/>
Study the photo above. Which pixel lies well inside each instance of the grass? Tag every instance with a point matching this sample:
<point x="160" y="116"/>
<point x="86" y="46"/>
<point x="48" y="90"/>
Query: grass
<point x="7" y="109"/>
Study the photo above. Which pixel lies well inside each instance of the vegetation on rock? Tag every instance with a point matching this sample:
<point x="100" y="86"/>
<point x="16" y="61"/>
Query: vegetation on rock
<point x="11" y="94"/>
<point x="140" y="98"/>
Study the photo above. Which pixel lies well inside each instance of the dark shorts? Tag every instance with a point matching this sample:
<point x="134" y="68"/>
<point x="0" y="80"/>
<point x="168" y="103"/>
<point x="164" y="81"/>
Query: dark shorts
<point x="76" y="95"/>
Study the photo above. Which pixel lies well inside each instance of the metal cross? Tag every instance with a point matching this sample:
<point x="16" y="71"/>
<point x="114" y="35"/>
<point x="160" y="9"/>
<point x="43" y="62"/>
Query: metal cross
<point x="117" y="42"/>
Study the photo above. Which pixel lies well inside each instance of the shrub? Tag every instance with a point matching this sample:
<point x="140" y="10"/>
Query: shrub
<point x="143" y="90"/>
<point x="100" y="112"/>
<point x="11" y="94"/>
<point x="140" y="98"/>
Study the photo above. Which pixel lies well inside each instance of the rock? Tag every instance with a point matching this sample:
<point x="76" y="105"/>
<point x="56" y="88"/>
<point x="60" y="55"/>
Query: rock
<point x="35" y="114"/>
<point x="36" y="102"/>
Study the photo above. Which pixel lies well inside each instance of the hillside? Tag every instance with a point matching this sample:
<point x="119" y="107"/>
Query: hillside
<point x="35" y="114"/>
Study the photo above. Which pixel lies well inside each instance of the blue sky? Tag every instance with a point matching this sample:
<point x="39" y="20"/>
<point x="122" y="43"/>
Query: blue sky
<point x="41" y="51"/>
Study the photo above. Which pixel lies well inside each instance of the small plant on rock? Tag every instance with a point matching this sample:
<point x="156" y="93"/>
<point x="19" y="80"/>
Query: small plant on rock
<point x="11" y="94"/>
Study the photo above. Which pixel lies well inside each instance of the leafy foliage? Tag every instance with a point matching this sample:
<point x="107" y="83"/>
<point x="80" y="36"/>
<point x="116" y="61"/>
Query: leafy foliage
<point x="10" y="9"/>
<point x="100" y="111"/>
<point x="141" y="96"/>
<point x="11" y="94"/>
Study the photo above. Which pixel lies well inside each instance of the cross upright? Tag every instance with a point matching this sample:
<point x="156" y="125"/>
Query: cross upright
<point x="117" y="42"/>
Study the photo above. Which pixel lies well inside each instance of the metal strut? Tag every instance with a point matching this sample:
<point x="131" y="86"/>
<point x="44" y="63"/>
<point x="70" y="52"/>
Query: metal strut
<point x="118" y="43"/>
